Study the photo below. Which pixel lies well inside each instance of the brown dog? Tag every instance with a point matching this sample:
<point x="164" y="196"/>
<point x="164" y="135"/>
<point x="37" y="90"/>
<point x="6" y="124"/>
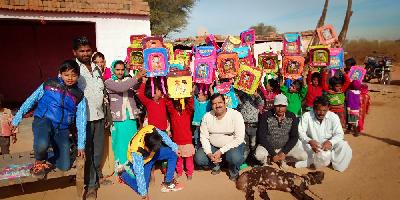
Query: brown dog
<point x="268" y="178"/>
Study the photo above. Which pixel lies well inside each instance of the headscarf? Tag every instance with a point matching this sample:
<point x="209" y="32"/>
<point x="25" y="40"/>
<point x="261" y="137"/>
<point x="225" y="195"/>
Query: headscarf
<point x="113" y="76"/>
<point x="356" y="85"/>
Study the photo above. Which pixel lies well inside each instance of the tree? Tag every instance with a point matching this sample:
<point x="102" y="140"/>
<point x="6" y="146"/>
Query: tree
<point x="346" y="22"/>
<point x="168" y="16"/>
<point x="321" y="21"/>
<point x="262" y="29"/>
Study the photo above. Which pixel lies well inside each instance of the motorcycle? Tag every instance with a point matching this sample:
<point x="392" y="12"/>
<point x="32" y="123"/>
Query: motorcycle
<point x="378" y="68"/>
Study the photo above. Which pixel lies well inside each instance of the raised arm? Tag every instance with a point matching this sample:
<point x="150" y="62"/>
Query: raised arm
<point x="121" y="86"/>
<point x="27" y="105"/>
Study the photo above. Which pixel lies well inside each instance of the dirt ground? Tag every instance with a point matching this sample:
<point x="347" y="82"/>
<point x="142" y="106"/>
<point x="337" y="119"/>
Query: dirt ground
<point x="374" y="172"/>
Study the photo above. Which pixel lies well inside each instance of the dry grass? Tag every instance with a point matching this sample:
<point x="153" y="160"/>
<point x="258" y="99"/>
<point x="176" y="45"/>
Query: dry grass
<point x="358" y="49"/>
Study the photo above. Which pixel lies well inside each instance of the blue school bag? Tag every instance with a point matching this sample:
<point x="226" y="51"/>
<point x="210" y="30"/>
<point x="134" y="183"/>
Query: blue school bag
<point x="156" y="65"/>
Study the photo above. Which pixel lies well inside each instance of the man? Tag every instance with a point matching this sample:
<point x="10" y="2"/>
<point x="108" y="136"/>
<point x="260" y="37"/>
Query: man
<point x="221" y="133"/>
<point x="144" y="149"/>
<point x="277" y="134"/>
<point x="91" y="83"/>
<point x="321" y="130"/>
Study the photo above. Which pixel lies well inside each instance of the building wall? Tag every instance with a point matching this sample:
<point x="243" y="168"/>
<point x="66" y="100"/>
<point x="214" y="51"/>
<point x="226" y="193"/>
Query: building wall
<point x="112" y="31"/>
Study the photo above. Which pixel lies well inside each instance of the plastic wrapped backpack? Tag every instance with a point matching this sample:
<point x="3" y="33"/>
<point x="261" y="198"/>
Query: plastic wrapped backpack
<point x="204" y="67"/>
<point x="156" y="65"/>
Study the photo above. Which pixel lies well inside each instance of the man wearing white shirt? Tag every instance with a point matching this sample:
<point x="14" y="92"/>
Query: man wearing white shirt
<point x="321" y="130"/>
<point x="222" y="132"/>
<point x="91" y="83"/>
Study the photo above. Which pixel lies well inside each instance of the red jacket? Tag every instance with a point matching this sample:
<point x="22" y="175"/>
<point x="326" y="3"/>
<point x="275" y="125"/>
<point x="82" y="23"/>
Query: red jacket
<point x="156" y="110"/>
<point x="181" y="122"/>
<point x="312" y="92"/>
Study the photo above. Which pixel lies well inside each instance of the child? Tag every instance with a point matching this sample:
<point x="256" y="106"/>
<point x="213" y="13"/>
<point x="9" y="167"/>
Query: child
<point x="99" y="59"/>
<point x="182" y="134"/>
<point x="123" y="110"/>
<point x="269" y="92"/>
<point x="201" y="106"/>
<point x="314" y="89"/>
<point x="353" y="105"/>
<point x="155" y="105"/>
<point x="295" y="95"/>
<point x="6" y="130"/>
<point x="60" y="103"/>
<point x="336" y="95"/>
<point x="250" y="106"/>
<point x="365" y="101"/>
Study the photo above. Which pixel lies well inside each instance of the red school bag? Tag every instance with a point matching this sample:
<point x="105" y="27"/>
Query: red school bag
<point x="227" y="65"/>
<point x="135" y="52"/>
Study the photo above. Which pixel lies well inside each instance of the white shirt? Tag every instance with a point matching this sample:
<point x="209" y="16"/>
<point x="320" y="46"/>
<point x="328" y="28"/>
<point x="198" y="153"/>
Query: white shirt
<point x="225" y="133"/>
<point x="329" y="129"/>
<point x="93" y="88"/>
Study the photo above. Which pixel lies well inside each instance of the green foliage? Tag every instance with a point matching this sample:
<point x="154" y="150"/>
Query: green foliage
<point x="262" y="29"/>
<point x="168" y="16"/>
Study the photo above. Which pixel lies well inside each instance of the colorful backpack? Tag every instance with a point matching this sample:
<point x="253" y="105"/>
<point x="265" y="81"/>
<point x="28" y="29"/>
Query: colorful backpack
<point x="156" y="64"/>
<point x="248" y="79"/>
<point x="230" y="43"/>
<point x="152" y="42"/>
<point x="336" y="58"/>
<point x="135" y="52"/>
<point x="228" y="91"/>
<point x="179" y="84"/>
<point x="211" y="41"/>
<point x="204" y="67"/>
<point x="292" y="67"/>
<point x="223" y="88"/>
<point x="170" y="49"/>
<point x="183" y="55"/>
<point x="227" y="65"/>
<point x="357" y="73"/>
<point x="248" y="37"/>
<point x="327" y="34"/>
<point x="269" y="62"/>
<point x="319" y="56"/>
<point x="245" y="56"/>
<point x="291" y="44"/>
<point x="178" y="64"/>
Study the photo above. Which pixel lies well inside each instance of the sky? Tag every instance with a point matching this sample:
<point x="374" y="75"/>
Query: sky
<point x="371" y="19"/>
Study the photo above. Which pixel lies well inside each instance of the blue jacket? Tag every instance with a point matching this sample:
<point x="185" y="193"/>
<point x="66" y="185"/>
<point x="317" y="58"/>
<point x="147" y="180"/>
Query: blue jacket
<point x="61" y="104"/>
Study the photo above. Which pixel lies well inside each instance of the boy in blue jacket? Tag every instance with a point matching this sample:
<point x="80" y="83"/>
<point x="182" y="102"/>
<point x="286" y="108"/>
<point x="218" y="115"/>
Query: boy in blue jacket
<point x="60" y="104"/>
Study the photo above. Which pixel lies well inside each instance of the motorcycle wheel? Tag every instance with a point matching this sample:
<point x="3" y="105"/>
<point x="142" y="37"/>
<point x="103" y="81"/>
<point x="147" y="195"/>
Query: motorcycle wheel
<point x="386" y="79"/>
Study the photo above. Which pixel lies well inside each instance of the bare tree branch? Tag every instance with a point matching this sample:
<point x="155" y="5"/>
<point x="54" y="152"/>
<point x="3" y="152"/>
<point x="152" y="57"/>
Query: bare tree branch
<point x="345" y="27"/>
<point x="321" y="21"/>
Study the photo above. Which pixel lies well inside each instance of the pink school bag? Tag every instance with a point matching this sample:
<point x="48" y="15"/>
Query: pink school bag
<point x="204" y="67"/>
<point x="291" y="44"/>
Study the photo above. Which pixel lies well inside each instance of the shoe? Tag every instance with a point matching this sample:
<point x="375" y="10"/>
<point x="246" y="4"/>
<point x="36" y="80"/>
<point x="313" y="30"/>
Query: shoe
<point x="40" y="168"/>
<point x="189" y="177"/>
<point x="91" y="194"/>
<point x="234" y="178"/>
<point x="172" y="187"/>
<point x="215" y="172"/>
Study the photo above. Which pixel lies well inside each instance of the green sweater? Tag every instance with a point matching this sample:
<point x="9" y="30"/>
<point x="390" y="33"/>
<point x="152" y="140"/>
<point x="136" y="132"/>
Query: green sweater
<point x="294" y="99"/>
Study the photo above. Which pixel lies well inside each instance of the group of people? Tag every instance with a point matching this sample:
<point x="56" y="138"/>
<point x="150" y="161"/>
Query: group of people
<point x="303" y="119"/>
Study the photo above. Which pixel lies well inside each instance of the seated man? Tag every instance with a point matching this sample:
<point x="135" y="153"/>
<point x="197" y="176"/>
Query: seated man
<point x="144" y="149"/>
<point x="221" y="133"/>
<point x="320" y="130"/>
<point x="277" y="134"/>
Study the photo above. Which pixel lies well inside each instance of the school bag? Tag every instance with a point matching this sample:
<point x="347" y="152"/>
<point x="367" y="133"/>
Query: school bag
<point x="244" y="54"/>
<point x="183" y="55"/>
<point x="230" y="43"/>
<point x="179" y="84"/>
<point x="135" y="52"/>
<point x="357" y="73"/>
<point x="291" y="44"/>
<point x="156" y="65"/>
<point x="336" y="58"/>
<point x="292" y="67"/>
<point x="269" y="62"/>
<point x="227" y="65"/>
<point x="327" y="34"/>
<point x="228" y="91"/>
<point x="248" y="37"/>
<point x="248" y="79"/>
<point x="152" y="42"/>
<point x="204" y="67"/>
<point x="211" y="41"/>
<point x="170" y="49"/>
<point x="319" y="56"/>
